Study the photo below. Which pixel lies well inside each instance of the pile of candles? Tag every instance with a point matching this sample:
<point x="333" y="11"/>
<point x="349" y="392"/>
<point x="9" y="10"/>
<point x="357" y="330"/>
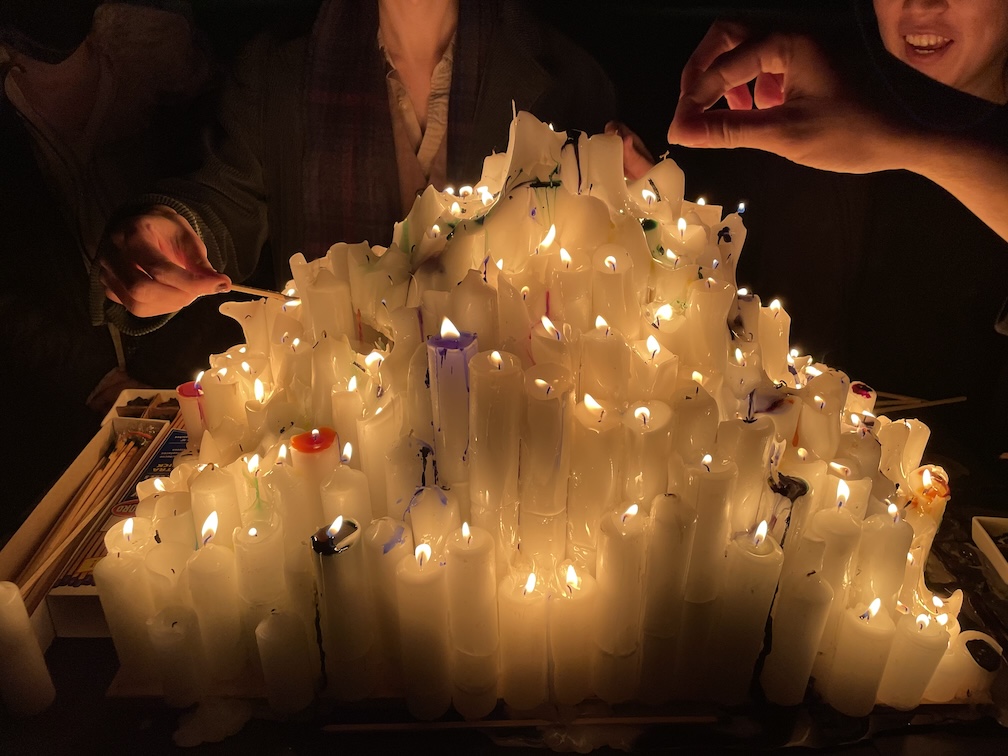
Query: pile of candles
<point x="540" y="449"/>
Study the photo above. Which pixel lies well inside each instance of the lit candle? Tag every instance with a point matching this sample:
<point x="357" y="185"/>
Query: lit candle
<point x="222" y="398"/>
<point x="653" y="371"/>
<point x="774" y="339"/>
<point x="748" y="443"/>
<point x="473" y="308"/>
<point x="315" y="454"/>
<point x="605" y="363"/>
<point x="523" y="648"/>
<point x="259" y="563"/>
<point x="25" y="685"/>
<point x="448" y="358"/>
<point x="497" y="386"/>
<point x="346" y="609"/>
<point x="569" y="282"/>
<point x="620" y="576"/>
<point x="377" y="431"/>
<point x="555" y="342"/>
<point x="709" y="487"/>
<point x="864" y="639"/>
<point x="345" y="492"/>
<point x="164" y="568"/>
<point x="646" y="448"/>
<point x="918" y="647"/>
<point x="386" y="543"/>
<point x="545" y="462"/>
<point x="422" y="594"/>
<point x="572" y="608"/>
<point x="213" y="490"/>
<point x="432" y="515"/>
<point x="694" y="428"/>
<point x="595" y="475"/>
<point x="754" y="566"/>
<point x="190" y="398"/>
<point x="613" y="294"/>
<point x="213" y="586"/>
<point x="173" y="519"/>
<point x="347" y="411"/>
<point x="472" y="614"/>
<point x="881" y="563"/>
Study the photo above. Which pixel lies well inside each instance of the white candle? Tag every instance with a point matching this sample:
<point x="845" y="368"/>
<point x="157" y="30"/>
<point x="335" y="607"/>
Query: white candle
<point x="646" y="448"/>
<point x="572" y="608"/>
<point x="694" y="429"/>
<point x="386" y="542"/>
<point x="448" y="358"/>
<point x="523" y="647"/>
<point x="410" y="465"/>
<point x="918" y="647"/>
<point x="173" y="519"/>
<point x="748" y="443"/>
<point x="754" y="566"/>
<point x="222" y="398"/>
<point x="346" y="492"/>
<point x="605" y="363"/>
<point x="613" y="295"/>
<point x="545" y="462"/>
<point x="595" y="475"/>
<point x="347" y="411"/>
<point x="709" y="487"/>
<point x="164" y="568"/>
<point x="346" y="609"/>
<point x="422" y="594"/>
<point x="178" y="655"/>
<point x="433" y="515"/>
<point x="569" y="281"/>
<point x="799" y="616"/>
<point x="25" y="685"/>
<point x="472" y="614"/>
<point x="286" y="662"/>
<point x="653" y="371"/>
<point x="881" y="562"/>
<point x="377" y="431"/>
<point x="473" y="308"/>
<point x="557" y="342"/>
<point x="259" y="562"/>
<point x="620" y="576"/>
<point x="213" y="587"/>
<point x="864" y="639"/>
<point x="496" y="400"/>
<point x="315" y="454"/>
<point x="213" y="490"/>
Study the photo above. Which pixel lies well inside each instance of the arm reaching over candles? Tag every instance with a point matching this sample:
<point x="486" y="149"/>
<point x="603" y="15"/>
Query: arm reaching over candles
<point x="157" y="264"/>
<point x="802" y="109"/>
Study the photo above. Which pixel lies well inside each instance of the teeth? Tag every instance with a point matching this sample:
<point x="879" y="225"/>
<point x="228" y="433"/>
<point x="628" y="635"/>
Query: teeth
<point x="931" y="41"/>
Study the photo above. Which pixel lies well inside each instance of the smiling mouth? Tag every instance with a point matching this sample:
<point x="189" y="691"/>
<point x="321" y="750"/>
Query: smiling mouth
<point x="927" y="44"/>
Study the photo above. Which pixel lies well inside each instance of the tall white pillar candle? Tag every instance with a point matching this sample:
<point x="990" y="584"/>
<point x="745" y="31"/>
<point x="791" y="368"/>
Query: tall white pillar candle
<point x="864" y="639"/>
<point x="572" y="608"/>
<point x="286" y="662"/>
<point x="448" y="358"/>
<point x="709" y="487"/>
<point x="918" y="647"/>
<point x="25" y="685"/>
<point x="213" y="490"/>
<point x="646" y="448"/>
<point x="523" y="646"/>
<point x="387" y="542"/>
<point x="178" y="656"/>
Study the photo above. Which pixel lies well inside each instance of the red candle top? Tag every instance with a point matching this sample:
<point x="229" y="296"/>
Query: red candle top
<point x="189" y="389"/>
<point x="316" y="440"/>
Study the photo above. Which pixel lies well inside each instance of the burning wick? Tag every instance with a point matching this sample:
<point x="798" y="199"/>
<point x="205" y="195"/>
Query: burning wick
<point x="529" y="584"/>
<point x="706" y="461"/>
<point x="872" y="610"/>
<point x="761" y="532"/>
<point x="466" y="532"/>
<point x="423" y="554"/>
<point x="630" y="512"/>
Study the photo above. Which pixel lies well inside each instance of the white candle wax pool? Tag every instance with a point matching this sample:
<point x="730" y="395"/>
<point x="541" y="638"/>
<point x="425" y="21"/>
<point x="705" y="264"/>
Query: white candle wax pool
<point x="523" y="647"/>
<point x="422" y="594"/>
<point x="25" y="685"/>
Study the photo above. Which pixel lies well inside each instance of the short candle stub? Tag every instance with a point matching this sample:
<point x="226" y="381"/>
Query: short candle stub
<point x="328" y="540"/>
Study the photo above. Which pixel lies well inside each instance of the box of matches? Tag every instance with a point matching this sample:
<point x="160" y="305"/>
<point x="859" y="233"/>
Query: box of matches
<point x="67" y="518"/>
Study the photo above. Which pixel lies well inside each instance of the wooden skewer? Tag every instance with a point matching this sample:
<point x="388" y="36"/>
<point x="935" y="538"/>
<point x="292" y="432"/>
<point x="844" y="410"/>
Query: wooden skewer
<point x="258" y="292"/>
<point x="900" y="406"/>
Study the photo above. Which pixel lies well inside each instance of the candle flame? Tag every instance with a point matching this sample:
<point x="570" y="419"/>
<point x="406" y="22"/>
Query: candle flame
<point x="352" y="383"/>
<point x="653" y="346"/>
<point x="246" y="367"/>
<point x="813" y="371"/>
<point x="910" y="557"/>
<point x="610" y="262"/>
<point x="648" y="196"/>
<point x="253" y="464"/>
<point x="893" y="510"/>
<point x="923" y="621"/>
<point x="422" y="553"/>
<point x="840" y="469"/>
<point x="663" y="313"/>
<point x="681" y="225"/>
<point x="540" y="383"/>
<point x="466" y="532"/>
<point x="485" y="195"/>
<point x="550" y="236"/>
<point x="336" y="527"/>
<point x="448" y="329"/>
<point x="820" y="401"/>
<point x="697" y="377"/>
<point x="465" y="191"/>
<point x="159" y="485"/>
<point x="739" y="357"/>
<point x="253" y="532"/>
<point x="775" y="304"/>
<point x="573" y="581"/>
<point x="701" y="201"/>
<point x="743" y="292"/>
<point x="210" y="527"/>
<point x="855" y="419"/>
<point x="942" y="619"/>
<point x="706" y="460"/>
<point x="456" y="209"/>
<point x="222" y="373"/>
<point x="128" y="528"/>
<point x="295" y="344"/>
<point x="600" y="322"/>
<point x="842" y="493"/>
<point x="643" y="414"/>
<point x="450" y="190"/>
<point x="937" y="602"/>
<point x="374" y="360"/>
<point x="530" y="583"/>
<point x="199" y="377"/>
<point x="565" y="257"/>
<point x="550" y="328"/>
<point x="591" y="404"/>
<point x="496" y="359"/>
<point x="926" y="478"/>
<point x="632" y="510"/>
<point x="347" y="452"/>
<point x="741" y="208"/>
<point x="670" y="255"/>
<point x="259" y="390"/>
<point x="500" y="264"/>
<point x="873" y="609"/>
<point x="282" y="453"/>
<point x="761" y="531"/>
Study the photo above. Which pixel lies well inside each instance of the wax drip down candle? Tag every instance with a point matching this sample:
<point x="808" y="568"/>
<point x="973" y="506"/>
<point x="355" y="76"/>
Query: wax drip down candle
<point x="448" y="358"/>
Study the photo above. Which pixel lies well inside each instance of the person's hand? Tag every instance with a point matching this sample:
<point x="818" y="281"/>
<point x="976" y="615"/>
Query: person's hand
<point x="157" y="264"/>
<point x="803" y="111"/>
<point x="637" y="159"/>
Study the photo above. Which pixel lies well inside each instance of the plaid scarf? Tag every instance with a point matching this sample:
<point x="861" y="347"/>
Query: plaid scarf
<point x="351" y="182"/>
